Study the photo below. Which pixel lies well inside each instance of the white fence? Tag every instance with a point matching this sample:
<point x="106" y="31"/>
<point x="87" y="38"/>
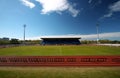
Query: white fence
<point x="117" y="45"/>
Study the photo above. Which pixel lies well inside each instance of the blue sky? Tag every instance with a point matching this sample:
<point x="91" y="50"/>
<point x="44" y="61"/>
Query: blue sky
<point x="60" y="17"/>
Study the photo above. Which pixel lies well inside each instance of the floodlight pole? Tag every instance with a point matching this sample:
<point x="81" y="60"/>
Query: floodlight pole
<point x="97" y="27"/>
<point x="24" y="32"/>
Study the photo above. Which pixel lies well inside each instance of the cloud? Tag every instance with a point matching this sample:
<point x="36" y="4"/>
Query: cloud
<point x="108" y="15"/>
<point x="100" y="1"/>
<point x="89" y="1"/>
<point x="73" y="11"/>
<point x="102" y="35"/>
<point x="87" y="36"/>
<point x="49" y="6"/>
<point x="28" y="3"/>
<point x="33" y="38"/>
<point x="94" y="3"/>
<point x="113" y="8"/>
<point x="58" y="6"/>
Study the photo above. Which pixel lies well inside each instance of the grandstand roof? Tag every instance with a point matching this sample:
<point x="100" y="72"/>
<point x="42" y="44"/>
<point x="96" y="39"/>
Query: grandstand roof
<point x="60" y="37"/>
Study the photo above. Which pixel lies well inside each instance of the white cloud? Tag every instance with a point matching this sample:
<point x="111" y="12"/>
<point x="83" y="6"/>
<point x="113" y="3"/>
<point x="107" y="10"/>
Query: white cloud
<point x="73" y="11"/>
<point x="113" y="8"/>
<point x="28" y="3"/>
<point x="108" y="15"/>
<point x="102" y="35"/>
<point x="87" y="36"/>
<point x="94" y="3"/>
<point x="57" y="6"/>
<point x="89" y="1"/>
<point x="107" y="35"/>
<point x="49" y="6"/>
<point x="33" y="38"/>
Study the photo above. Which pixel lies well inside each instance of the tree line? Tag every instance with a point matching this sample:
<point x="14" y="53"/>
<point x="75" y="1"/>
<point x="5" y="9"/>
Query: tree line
<point x="105" y="41"/>
<point x="32" y="42"/>
<point x="17" y="41"/>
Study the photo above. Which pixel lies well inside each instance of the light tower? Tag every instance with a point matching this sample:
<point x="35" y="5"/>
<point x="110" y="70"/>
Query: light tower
<point x="97" y="27"/>
<point x="24" y="32"/>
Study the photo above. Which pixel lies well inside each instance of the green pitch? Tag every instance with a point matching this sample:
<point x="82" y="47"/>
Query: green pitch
<point x="59" y="72"/>
<point x="59" y="50"/>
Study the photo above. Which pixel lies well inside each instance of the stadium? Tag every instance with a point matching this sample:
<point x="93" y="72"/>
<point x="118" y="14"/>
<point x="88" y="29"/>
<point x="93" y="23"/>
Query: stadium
<point x="59" y="46"/>
<point x="83" y="32"/>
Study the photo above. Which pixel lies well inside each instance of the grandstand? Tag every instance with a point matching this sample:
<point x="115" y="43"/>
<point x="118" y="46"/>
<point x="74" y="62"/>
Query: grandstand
<point x="60" y="40"/>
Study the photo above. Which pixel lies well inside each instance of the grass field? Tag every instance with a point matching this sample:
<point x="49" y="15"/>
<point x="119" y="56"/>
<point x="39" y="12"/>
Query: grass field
<point x="59" y="50"/>
<point x="59" y="72"/>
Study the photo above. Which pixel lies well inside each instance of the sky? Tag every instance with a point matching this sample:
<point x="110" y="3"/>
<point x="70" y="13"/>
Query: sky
<point x="60" y="18"/>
